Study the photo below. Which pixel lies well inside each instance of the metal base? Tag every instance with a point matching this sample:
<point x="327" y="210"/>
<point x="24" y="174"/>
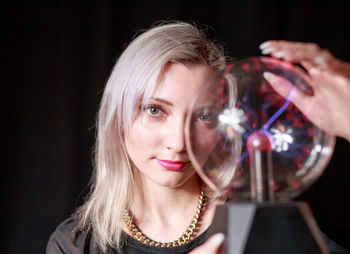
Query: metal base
<point x="267" y="228"/>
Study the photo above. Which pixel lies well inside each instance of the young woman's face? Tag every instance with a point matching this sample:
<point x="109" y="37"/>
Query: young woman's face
<point x="156" y="142"/>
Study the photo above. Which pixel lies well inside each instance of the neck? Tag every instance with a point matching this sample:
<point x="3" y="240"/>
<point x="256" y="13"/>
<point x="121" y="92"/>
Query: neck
<point x="153" y="199"/>
<point x="156" y="208"/>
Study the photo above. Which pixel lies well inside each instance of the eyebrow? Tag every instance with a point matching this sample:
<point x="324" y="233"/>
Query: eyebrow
<point x="163" y="101"/>
<point x="211" y="107"/>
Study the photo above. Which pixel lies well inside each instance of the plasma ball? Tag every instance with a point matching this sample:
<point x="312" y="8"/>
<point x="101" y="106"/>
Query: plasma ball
<point x="261" y="138"/>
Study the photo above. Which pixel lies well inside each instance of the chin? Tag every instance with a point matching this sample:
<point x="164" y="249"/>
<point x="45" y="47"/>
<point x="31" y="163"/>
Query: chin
<point x="182" y="178"/>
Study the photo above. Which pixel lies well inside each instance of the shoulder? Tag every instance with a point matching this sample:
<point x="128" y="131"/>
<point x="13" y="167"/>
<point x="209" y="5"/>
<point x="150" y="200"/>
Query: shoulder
<point x="65" y="240"/>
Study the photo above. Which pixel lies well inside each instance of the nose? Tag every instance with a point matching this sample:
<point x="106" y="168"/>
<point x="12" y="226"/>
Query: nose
<point x="175" y="138"/>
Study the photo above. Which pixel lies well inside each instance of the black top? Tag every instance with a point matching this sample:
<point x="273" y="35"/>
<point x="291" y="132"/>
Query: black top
<point x="62" y="242"/>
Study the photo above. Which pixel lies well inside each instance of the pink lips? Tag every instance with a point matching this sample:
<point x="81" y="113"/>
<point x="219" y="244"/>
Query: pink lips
<point x="172" y="165"/>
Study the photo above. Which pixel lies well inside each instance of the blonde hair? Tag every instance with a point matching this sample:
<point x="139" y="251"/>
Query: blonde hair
<point x="134" y="75"/>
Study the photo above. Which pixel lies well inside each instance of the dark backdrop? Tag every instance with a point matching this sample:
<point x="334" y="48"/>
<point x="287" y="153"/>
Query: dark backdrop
<point x="56" y="58"/>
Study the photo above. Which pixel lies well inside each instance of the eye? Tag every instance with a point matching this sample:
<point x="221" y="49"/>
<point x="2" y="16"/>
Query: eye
<point x="153" y="110"/>
<point x="205" y="116"/>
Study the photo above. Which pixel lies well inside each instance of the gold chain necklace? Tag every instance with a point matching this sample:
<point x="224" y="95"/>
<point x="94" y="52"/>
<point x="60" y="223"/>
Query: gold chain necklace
<point x="186" y="237"/>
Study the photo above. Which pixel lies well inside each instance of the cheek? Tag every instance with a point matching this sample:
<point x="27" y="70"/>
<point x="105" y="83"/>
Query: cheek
<point x="142" y="140"/>
<point x="204" y="138"/>
<point x="203" y="141"/>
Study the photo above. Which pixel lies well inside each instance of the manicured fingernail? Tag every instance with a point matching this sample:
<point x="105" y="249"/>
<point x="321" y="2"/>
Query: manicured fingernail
<point x="217" y="239"/>
<point x="266" y="51"/>
<point x="264" y="45"/>
<point x="268" y="76"/>
<point x="279" y="54"/>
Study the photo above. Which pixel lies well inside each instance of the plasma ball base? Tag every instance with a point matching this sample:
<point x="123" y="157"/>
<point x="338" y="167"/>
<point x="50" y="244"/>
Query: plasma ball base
<point x="268" y="228"/>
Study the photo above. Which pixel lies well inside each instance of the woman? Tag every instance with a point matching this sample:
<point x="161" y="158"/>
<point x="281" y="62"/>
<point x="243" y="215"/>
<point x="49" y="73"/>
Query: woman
<point x="145" y="192"/>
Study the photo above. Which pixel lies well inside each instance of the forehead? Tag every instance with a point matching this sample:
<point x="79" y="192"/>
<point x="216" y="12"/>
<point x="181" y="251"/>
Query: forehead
<point x="181" y="82"/>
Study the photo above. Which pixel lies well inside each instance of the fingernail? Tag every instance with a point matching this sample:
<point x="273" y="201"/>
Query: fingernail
<point x="264" y="45"/>
<point x="266" y="51"/>
<point x="217" y="239"/>
<point x="268" y="76"/>
<point x="279" y="54"/>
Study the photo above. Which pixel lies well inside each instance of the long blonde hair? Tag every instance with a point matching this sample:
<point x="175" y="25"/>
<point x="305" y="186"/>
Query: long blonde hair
<point x="134" y="75"/>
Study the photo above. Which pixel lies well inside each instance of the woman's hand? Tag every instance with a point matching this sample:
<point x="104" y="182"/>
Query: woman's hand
<point x="211" y="246"/>
<point x="329" y="107"/>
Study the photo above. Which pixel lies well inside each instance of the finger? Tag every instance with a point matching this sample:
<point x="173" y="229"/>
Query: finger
<point x="274" y="45"/>
<point x="310" y="54"/>
<point x="307" y="65"/>
<point x="269" y="46"/>
<point x="287" y="90"/>
<point x="316" y="108"/>
<point x="211" y="246"/>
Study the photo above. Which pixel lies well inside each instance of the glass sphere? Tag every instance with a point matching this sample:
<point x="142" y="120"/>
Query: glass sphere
<point x="243" y="137"/>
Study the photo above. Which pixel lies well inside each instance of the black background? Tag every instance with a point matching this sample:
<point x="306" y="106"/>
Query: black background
<point x="56" y="58"/>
